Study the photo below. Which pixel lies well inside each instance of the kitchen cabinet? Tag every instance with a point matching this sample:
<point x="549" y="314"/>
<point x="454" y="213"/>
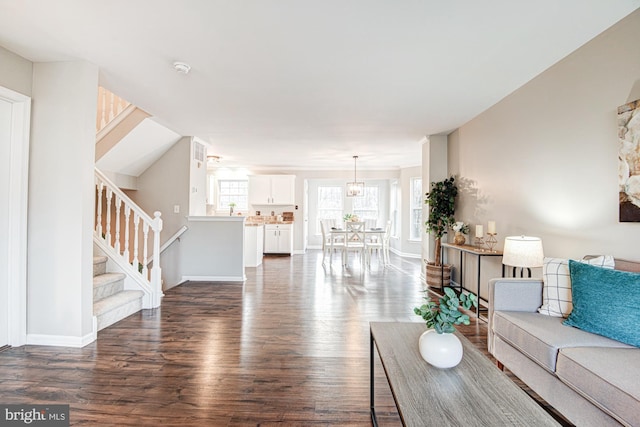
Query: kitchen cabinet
<point x="278" y="239"/>
<point x="253" y="245"/>
<point x="272" y="189"/>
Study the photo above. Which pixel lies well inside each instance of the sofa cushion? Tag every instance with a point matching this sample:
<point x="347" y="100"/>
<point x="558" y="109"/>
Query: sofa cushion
<point x="605" y="302"/>
<point x="541" y="337"/>
<point x="588" y="371"/>
<point x="556" y="292"/>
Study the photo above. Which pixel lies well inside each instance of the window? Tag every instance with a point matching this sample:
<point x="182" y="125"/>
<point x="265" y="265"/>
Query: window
<point x="393" y="208"/>
<point x="330" y="205"/>
<point x="416" y="209"/>
<point x="233" y="191"/>
<point x="367" y="207"/>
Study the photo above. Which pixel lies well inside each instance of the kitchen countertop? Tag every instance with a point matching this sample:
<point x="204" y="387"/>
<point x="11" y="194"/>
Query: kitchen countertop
<point x="255" y="224"/>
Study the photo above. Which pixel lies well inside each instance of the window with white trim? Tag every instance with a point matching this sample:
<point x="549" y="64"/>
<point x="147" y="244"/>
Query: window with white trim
<point x="367" y="207"/>
<point x="393" y="208"/>
<point x="233" y="191"/>
<point x="330" y="204"/>
<point x="415" y="222"/>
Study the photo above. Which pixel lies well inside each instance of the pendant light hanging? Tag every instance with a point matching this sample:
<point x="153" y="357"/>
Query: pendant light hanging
<point x="355" y="188"/>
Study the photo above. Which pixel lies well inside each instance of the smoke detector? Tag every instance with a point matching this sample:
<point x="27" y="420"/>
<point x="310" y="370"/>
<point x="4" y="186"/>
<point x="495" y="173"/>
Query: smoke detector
<point x="181" y="67"/>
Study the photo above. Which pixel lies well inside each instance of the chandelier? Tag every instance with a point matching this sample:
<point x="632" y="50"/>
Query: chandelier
<point x="355" y="188"/>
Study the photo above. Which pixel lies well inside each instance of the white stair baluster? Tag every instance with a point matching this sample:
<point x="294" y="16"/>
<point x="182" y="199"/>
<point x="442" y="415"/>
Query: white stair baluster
<point x="117" y="242"/>
<point x="145" y="250"/>
<point x="99" y="188"/>
<point x="136" y="228"/>
<point x="107" y="236"/>
<point x="127" y="234"/>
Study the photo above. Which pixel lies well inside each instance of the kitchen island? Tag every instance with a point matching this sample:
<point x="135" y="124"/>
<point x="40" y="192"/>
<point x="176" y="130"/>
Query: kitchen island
<point x="212" y="250"/>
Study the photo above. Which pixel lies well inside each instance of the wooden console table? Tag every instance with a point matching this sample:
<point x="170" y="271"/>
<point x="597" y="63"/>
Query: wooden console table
<point x="474" y="393"/>
<point x="473" y="250"/>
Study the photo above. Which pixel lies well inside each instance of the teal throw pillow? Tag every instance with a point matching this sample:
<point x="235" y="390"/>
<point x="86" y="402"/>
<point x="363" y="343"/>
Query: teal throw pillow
<point x="605" y="302"/>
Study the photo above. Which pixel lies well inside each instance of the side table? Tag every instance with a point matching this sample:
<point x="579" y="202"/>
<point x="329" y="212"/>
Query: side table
<point x="479" y="253"/>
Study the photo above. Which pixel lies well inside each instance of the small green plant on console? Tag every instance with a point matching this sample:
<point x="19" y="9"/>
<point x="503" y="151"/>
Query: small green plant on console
<point x="443" y="316"/>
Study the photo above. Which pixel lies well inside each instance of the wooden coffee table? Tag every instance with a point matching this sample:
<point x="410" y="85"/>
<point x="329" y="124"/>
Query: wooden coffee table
<point x="474" y="393"/>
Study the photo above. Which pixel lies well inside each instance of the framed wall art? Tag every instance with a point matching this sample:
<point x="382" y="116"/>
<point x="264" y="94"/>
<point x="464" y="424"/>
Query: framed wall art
<point x="629" y="161"/>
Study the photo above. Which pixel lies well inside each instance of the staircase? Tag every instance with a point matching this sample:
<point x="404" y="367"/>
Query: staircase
<point x="125" y="236"/>
<point x="111" y="302"/>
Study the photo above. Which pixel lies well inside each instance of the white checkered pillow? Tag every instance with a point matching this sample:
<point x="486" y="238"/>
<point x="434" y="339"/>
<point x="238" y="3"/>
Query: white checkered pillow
<point x="556" y="292"/>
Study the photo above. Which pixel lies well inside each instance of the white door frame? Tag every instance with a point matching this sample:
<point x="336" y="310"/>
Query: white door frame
<point x="17" y="232"/>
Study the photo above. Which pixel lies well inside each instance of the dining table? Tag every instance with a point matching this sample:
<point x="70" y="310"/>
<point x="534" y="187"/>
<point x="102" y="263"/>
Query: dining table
<point x="338" y="231"/>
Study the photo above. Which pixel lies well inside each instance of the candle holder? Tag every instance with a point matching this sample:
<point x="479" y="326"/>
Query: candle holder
<point x="479" y="241"/>
<point x="491" y="241"/>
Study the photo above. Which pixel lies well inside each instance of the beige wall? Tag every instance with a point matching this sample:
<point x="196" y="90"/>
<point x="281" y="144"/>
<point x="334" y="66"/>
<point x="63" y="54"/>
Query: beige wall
<point x="164" y="185"/>
<point x="543" y="161"/>
<point x="15" y="72"/>
<point x="61" y="203"/>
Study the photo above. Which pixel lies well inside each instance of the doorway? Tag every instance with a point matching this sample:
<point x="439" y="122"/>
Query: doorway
<point x="5" y="151"/>
<point x="15" y="113"/>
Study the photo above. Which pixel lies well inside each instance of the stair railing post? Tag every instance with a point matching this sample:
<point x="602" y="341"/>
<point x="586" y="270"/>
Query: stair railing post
<point x="156" y="271"/>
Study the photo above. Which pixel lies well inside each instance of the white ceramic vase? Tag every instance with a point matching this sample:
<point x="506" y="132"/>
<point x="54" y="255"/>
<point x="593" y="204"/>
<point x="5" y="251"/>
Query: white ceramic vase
<point x="440" y="350"/>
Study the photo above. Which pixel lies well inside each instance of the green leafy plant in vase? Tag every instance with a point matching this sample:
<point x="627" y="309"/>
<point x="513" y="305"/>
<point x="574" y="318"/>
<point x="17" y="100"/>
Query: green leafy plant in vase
<point x="438" y="345"/>
<point x="441" y="200"/>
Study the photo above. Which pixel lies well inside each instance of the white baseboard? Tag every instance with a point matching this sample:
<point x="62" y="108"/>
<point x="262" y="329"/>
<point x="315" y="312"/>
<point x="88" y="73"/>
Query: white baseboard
<point x="405" y="254"/>
<point x="64" y="340"/>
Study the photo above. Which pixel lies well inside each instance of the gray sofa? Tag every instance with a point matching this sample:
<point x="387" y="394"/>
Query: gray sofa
<point x="591" y="380"/>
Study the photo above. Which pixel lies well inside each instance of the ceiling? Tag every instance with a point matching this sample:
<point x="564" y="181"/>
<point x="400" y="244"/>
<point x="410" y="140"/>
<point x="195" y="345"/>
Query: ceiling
<point x="306" y="84"/>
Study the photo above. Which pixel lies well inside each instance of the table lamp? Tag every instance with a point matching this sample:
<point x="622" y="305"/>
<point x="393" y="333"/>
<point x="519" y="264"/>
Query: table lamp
<point x="522" y="252"/>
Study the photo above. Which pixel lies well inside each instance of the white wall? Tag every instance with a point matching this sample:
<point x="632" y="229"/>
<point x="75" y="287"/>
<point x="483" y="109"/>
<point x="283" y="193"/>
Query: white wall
<point x="61" y="203"/>
<point x="197" y="182"/>
<point x="543" y="161"/>
<point x="15" y="72"/>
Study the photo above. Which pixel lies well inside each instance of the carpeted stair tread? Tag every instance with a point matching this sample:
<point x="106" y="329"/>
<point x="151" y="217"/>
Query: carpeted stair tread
<point x="114" y="301"/>
<point x="107" y="278"/>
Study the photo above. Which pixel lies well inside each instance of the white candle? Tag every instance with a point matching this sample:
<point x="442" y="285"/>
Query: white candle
<point x="491" y="229"/>
<point x="479" y="231"/>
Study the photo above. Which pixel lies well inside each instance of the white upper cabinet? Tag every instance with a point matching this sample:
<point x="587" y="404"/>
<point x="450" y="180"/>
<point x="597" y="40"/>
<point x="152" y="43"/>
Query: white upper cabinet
<point x="272" y="189"/>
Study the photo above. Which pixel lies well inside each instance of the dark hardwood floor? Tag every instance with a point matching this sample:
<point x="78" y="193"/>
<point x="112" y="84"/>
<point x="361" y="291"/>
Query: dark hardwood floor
<point x="290" y="346"/>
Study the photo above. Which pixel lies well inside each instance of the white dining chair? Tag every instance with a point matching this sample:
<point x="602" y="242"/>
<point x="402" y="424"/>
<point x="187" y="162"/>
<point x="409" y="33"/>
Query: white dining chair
<point x="354" y="241"/>
<point x="330" y="243"/>
<point x="381" y="246"/>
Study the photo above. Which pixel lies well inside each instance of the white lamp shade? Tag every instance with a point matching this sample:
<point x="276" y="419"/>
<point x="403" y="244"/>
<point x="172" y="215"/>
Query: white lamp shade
<point x="523" y="251"/>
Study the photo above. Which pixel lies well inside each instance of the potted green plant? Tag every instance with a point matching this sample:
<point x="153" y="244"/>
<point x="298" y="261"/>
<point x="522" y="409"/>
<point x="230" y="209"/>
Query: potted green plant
<point x="438" y="345"/>
<point x="351" y="217"/>
<point x="231" y="206"/>
<point x="444" y="315"/>
<point x="441" y="200"/>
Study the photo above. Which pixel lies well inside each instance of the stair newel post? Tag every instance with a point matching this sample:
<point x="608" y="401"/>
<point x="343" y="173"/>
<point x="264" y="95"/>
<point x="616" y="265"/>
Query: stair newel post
<point x="145" y="250"/>
<point x="136" y="228"/>
<point x="117" y="243"/>
<point x="156" y="271"/>
<point x="127" y="234"/>
<point x="108" y="228"/>
<point x="100" y="188"/>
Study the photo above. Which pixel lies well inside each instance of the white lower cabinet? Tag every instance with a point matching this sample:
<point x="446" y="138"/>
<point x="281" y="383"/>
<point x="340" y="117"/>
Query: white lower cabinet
<point x="278" y="239"/>
<point x="253" y="245"/>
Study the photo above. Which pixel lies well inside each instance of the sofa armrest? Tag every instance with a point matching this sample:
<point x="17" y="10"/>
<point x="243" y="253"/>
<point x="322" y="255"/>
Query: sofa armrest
<point x="512" y="294"/>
